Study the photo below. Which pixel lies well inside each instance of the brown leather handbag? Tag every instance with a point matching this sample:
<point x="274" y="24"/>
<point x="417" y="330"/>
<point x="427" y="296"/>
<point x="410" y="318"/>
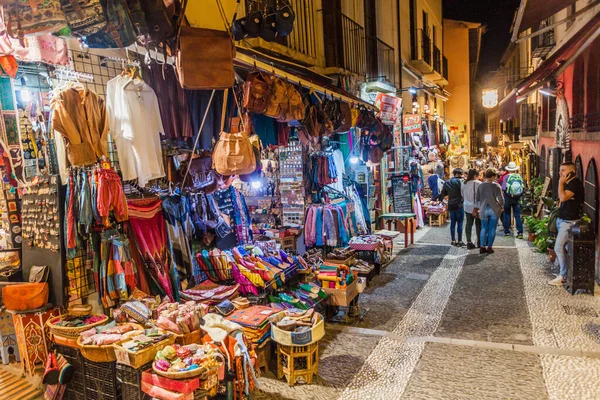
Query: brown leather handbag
<point x="277" y="101"/>
<point x="205" y="59"/>
<point x="26" y="296"/>
<point x="256" y="92"/>
<point x="294" y="110"/>
<point x="234" y="154"/>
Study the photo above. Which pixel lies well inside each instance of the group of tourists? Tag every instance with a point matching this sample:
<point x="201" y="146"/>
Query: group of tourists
<point x="486" y="197"/>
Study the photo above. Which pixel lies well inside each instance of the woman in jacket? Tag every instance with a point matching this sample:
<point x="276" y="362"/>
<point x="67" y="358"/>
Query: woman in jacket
<point x="490" y="203"/>
<point x="469" y="190"/>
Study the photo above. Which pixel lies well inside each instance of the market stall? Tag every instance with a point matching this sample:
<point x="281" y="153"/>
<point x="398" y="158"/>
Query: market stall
<point x="167" y="217"/>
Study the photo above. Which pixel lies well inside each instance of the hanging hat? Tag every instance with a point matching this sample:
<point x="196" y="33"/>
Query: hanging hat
<point x="512" y="166"/>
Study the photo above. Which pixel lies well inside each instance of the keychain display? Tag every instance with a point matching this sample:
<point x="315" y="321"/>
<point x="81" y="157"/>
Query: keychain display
<point x="41" y="222"/>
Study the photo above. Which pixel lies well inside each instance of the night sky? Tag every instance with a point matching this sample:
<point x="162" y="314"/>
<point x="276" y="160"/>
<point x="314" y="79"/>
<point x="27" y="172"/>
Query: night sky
<point x="496" y="15"/>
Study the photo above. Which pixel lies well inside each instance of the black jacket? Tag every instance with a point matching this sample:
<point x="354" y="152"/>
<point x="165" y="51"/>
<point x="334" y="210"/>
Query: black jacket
<point x="452" y="190"/>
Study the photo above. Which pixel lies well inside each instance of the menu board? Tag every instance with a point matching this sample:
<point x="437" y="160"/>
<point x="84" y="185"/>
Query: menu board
<point x="401" y="195"/>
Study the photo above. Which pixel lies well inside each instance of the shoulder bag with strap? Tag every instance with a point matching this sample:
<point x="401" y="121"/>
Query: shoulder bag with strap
<point x="205" y="57"/>
<point x="29" y="17"/>
<point x="84" y="17"/>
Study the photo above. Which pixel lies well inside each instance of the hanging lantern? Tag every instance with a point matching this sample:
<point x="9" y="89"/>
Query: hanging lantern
<point x="489" y="98"/>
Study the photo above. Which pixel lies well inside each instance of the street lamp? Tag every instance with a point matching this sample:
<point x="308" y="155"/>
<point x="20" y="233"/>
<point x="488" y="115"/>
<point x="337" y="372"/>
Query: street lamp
<point x="489" y="98"/>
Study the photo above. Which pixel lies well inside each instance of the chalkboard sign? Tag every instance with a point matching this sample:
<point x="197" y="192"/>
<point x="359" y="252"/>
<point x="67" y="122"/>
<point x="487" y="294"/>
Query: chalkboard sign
<point x="401" y="195"/>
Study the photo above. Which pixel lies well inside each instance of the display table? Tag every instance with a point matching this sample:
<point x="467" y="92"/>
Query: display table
<point x="32" y="337"/>
<point x="395" y="219"/>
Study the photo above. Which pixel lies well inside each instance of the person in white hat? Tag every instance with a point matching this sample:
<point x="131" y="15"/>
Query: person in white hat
<point x="513" y="187"/>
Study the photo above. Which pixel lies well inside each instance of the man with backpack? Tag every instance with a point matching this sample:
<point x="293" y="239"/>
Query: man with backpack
<point x="513" y="188"/>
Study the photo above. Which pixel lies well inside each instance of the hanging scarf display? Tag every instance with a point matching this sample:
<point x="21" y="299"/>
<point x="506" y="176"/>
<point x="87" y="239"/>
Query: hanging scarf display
<point x="327" y="225"/>
<point x="322" y="170"/>
<point x="148" y="226"/>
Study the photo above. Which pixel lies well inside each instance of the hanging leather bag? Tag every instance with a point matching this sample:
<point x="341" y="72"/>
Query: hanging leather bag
<point x="277" y="101"/>
<point x="294" y="110"/>
<point x="234" y="154"/>
<point x="84" y="17"/>
<point x="346" y="120"/>
<point x="162" y="19"/>
<point x="256" y="93"/>
<point x="29" y="17"/>
<point x="198" y="175"/>
<point x="138" y="18"/>
<point x="204" y="59"/>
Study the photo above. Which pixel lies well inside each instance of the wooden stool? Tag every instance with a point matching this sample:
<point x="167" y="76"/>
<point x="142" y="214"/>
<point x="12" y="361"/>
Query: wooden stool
<point x="263" y="352"/>
<point x="297" y="362"/>
<point x="436" y="219"/>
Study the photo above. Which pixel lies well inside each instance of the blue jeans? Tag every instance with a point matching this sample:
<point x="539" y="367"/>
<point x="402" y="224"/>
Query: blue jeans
<point x="515" y="206"/>
<point x="560" y="246"/>
<point x="457" y="217"/>
<point x="489" y="223"/>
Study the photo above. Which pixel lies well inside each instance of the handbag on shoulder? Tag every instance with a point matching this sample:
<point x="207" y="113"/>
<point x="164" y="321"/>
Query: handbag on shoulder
<point x="204" y="59"/>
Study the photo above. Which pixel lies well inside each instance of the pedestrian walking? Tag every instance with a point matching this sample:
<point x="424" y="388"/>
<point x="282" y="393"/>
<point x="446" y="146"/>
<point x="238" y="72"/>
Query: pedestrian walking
<point x="513" y="187"/>
<point x="453" y="189"/>
<point x="433" y="183"/>
<point x="469" y="191"/>
<point x="490" y="203"/>
<point x="571" y="197"/>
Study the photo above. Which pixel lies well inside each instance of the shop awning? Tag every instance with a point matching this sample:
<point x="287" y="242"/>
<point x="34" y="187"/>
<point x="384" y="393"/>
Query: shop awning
<point x="561" y="58"/>
<point x="296" y="73"/>
<point x="532" y="12"/>
<point x="508" y="106"/>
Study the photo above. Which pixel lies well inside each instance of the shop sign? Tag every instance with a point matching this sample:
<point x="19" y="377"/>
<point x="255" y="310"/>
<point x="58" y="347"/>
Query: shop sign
<point x="459" y="142"/>
<point x="389" y="108"/>
<point x="563" y="135"/>
<point x="411" y="123"/>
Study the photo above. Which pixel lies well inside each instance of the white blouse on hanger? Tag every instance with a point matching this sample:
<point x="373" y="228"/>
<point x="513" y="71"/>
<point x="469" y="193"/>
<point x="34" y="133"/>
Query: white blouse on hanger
<point x="135" y="125"/>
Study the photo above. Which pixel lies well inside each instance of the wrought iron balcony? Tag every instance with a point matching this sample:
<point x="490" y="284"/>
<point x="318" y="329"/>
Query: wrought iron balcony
<point x="437" y="59"/>
<point x="353" y="39"/>
<point x="445" y="67"/>
<point x="384" y="68"/>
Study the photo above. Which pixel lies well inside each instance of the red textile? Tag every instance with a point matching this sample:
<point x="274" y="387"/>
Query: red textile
<point x="148" y="226"/>
<point x="110" y="196"/>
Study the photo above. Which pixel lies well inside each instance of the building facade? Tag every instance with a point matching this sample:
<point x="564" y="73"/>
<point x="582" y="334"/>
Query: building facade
<point x="564" y="42"/>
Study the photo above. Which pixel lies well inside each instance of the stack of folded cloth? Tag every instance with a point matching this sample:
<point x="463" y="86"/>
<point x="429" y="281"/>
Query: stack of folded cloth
<point x="297" y="320"/>
<point x="437" y="209"/>
<point x="210" y="293"/>
<point x="305" y="296"/>
<point x="255" y="320"/>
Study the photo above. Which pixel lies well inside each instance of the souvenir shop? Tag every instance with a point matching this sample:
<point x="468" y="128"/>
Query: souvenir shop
<point x="173" y="221"/>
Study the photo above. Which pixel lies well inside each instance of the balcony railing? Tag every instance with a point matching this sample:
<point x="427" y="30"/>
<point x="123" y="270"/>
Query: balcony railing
<point x="445" y="67"/>
<point x="425" y="46"/>
<point x="384" y="70"/>
<point x="580" y="123"/>
<point x="303" y="38"/>
<point x="353" y="39"/>
<point x="437" y="59"/>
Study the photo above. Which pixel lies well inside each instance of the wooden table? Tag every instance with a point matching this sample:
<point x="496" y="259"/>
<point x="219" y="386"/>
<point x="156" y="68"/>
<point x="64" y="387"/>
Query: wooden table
<point x="396" y="219"/>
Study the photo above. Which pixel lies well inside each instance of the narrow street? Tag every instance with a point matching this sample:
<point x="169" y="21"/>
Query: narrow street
<point x="446" y="323"/>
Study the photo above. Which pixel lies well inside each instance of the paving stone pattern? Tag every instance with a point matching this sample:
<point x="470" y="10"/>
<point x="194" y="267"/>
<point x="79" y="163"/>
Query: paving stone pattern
<point x="445" y="293"/>
<point x="457" y="372"/>
<point x="488" y="301"/>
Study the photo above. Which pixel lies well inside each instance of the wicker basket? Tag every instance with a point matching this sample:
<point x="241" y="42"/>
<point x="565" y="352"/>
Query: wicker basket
<point x="71" y="332"/>
<point x="189" y="338"/>
<point x="280" y="336"/>
<point x="104" y="353"/>
<point x="136" y="359"/>
<point x="183" y="375"/>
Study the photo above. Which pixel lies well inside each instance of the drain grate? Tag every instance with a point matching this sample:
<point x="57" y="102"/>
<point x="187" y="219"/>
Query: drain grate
<point x="580" y="311"/>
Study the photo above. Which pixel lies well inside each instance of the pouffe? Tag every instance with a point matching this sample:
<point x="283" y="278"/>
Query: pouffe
<point x="297" y="363"/>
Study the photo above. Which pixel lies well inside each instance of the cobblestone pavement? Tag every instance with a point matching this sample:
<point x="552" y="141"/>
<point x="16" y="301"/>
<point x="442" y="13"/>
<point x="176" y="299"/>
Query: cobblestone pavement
<point x="445" y="323"/>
